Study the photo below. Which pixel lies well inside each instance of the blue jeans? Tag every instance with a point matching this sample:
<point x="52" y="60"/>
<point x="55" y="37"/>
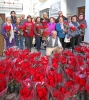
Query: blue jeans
<point x="38" y="43"/>
<point x="19" y="41"/>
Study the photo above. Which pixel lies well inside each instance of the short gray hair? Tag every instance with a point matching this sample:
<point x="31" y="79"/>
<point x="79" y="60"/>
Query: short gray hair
<point x="54" y="32"/>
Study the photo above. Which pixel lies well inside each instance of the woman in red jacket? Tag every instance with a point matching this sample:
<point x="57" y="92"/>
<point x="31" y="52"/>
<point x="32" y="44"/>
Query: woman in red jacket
<point x="28" y="32"/>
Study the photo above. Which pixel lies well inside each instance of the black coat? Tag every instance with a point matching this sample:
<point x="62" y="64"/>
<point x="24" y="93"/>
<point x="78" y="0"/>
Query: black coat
<point x="13" y="19"/>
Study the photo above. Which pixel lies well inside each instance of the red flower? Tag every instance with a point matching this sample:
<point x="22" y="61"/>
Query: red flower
<point x="45" y="33"/>
<point x="21" y="27"/>
<point x="7" y="28"/>
<point x="82" y="26"/>
<point x="63" y="90"/>
<point x="63" y="60"/>
<point x="72" y="29"/>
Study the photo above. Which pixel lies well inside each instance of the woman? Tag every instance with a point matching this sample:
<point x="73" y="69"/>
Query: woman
<point x="61" y="31"/>
<point x="1" y="39"/>
<point x="51" y="25"/>
<point x="19" y="34"/>
<point x="8" y="30"/>
<point x="38" y="32"/>
<point x="28" y="32"/>
<point x="75" y="35"/>
<point x="81" y="20"/>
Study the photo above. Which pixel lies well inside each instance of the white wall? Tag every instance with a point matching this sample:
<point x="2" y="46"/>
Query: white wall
<point x="72" y="6"/>
<point x="27" y="7"/>
<point x="48" y="3"/>
<point x="86" y="38"/>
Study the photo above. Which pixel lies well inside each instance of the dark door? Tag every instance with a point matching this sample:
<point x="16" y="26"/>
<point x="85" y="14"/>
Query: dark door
<point x="2" y="16"/>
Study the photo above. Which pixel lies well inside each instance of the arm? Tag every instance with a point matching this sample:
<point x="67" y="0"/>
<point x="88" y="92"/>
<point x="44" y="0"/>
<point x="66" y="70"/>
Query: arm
<point x="35" y="31"/>
<point x="58" y="28"/>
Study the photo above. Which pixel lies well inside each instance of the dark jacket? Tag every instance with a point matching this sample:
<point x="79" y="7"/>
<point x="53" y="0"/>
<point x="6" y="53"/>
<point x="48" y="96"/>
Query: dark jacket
<point x="37" y="29"/>
<point x="13" y="19"/>
<point x="64" y="18"/>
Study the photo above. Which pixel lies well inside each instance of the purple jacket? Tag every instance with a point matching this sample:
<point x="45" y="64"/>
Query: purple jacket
<point x="51" y="27"/>
<point x="3" y="30"/>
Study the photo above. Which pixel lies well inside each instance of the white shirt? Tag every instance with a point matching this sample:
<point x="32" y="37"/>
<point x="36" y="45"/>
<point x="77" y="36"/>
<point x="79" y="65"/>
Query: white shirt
<point x="53" y="42"/>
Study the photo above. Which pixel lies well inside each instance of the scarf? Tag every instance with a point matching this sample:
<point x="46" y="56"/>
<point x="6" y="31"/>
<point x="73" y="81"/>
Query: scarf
<point x="11" y="33"/>
<point x="62" y="25"/>
<point x="75" y="24"/>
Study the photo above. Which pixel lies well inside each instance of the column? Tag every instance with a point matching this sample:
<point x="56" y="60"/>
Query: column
<point x="86" y="38"/>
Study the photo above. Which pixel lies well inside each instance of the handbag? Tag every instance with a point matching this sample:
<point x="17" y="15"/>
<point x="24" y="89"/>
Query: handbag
<point x="34" y="40"/>
<point x="66" y="39"/>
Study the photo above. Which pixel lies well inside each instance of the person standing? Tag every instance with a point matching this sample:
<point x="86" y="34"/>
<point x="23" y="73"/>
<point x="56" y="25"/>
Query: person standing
<point x="28" y="32"/>
<point x="75" y="35"/>
<point x="13" y="17"/>
<point x="23" y="20"/>
<point x="19" y="33"/>
<point x="1" y="39"/>
<point x="38" y="32"/>
<point x="51" y="25"/>
<point x="61" y="15"/>
<point x="61" y="31"/>
<point x="81" y="20"/>
<point x="9" y="36"/>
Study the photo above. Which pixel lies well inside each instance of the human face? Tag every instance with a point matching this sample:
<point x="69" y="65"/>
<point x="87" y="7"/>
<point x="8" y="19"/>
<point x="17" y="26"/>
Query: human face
<point x="51" y="20"/>
<point x="54" y="35"/>
<point x="60" y="14"/>
<point x="74" y="19"/>
<point x="29" y="19"/>
<point x="23" y="16"/>
<point x="18" y="20"/>
<point x="61" y="20"/>
<point x="44" y="15"/>
<point x="13" y="14"/>
<point x="38" y="19"/>
<point x="8" y="20"/>
<point x="81" y="17"/>
<point x="33" y="20"/>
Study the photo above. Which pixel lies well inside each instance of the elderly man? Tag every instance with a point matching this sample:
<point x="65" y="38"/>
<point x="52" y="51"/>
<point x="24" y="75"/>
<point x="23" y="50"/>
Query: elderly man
<point x="53" y="44"/>
<point x="23" y="20"/>
<point x="60" y="14"/>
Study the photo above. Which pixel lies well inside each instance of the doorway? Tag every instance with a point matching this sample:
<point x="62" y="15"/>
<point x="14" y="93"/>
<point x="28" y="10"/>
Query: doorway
<point x="2" y="16"/>
<point x="81" y="10"/>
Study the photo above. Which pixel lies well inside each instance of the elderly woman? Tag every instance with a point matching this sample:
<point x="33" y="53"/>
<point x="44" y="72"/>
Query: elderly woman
<point x="61" y="31"/>
<point x="81" y="20"/>
<point x="8" y="31"/>
<point x="75" y="34"/>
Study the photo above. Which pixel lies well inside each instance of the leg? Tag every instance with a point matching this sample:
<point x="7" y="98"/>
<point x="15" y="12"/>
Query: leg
<point x="27" y="42"/>
<point x="38" y="43"/>
<point x="72" y="42"/>
<point x="30" y="42"/>
<point x="62" y="41"/>
<point x="17" y="41"/>
<point x="21" y="42"/>
<point x="49" y="51"/>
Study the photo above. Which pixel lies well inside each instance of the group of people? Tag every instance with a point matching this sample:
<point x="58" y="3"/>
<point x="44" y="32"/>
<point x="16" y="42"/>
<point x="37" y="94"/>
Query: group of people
<point x="55" y="34"/>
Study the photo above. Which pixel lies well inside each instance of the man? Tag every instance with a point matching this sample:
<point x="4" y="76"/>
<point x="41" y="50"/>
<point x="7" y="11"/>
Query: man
<point x="1" y="39"/>
<point x="23" y="20"/>
<point x="13" y="17"/>
<point x="61" y="15"/>
<point x="53" y="44"/>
